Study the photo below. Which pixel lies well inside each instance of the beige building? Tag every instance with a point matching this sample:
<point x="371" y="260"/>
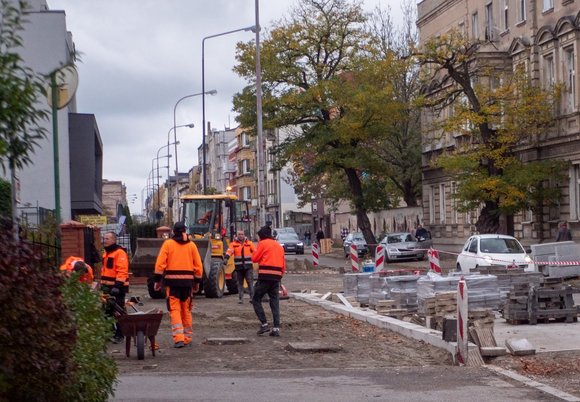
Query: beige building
<point x="544" y="37"/>
<point x="114" y="195"/>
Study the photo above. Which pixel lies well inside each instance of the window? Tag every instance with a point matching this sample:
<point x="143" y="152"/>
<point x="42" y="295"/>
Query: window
<point x="521" y="10"/>
<point x="574" y="192"/>
<point x="505" y="23"/>
<point x="548" y="71"/>
<point x="528" y="216"/>
<point x="489" y="32"/>
<point x="432" y="204"/>
<point x="453" y="194"/>
<point x="245" y="139"/>
<point x="548" y="5"/>
<point x="474" y="26"/>
<point x="244" y="166"/>
<point x="570" y="79"/>
<point x="442" y="203"/>
<point x="246" y="193"/>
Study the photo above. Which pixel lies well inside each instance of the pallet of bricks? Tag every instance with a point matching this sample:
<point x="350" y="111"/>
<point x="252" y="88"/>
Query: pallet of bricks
<point x="533" y="303"/>
<point x="510" y="279"/>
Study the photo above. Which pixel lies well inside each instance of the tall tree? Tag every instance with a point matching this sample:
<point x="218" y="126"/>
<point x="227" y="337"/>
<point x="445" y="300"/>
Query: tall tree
<point x="324" y="76"/>
<point x="498" y="112"/>
<point x="20" y="116"/>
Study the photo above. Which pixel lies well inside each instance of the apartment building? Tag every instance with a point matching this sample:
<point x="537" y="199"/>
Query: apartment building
<point x="543" y="36"/>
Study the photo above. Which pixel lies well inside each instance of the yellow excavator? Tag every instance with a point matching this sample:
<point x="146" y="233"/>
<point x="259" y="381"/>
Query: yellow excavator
<point x="211" y="222"/>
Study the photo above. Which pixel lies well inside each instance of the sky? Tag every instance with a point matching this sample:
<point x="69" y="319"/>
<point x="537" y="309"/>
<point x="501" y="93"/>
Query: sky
<point x="139" y="57"/>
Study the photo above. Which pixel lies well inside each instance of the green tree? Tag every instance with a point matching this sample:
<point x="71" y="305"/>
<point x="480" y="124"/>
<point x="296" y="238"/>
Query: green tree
<point x="5" y="198"/>
<point x="325" y="78"/>
<point x="20" y="117"/>
<point x="497" y="112"/>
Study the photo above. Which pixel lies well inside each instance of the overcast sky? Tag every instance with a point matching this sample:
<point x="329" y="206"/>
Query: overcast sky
<point x="139" y="57"/>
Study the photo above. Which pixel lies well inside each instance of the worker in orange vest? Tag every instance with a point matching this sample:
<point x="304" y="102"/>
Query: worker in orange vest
<point x="242" y="249"/>
<point x="269" y="256"/>
<point x="78" y="265"/>
<point x="115" y="275"/>
<point x="179" y="266"/>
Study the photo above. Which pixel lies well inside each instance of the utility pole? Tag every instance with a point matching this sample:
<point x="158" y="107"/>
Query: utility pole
<point x="260" y="142"/>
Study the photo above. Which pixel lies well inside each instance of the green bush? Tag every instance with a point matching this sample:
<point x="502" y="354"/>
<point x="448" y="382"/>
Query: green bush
<point x="36" y="329"/>
<point x="95" y="372"/>
<point x="5" y="198"/>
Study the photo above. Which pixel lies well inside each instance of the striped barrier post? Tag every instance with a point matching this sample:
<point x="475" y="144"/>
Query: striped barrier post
<point x="462" y="337"/>
<point x="354" y="258"/>
<point x="315" y="253"/>
<point x="434" y="263"/>
<point x="379" y="258"/>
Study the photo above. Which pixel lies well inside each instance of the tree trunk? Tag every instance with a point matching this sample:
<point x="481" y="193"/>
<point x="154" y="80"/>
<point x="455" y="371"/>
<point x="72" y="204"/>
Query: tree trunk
<point x="362" y="218"/>
<point x="408" y="194"/>
<point x="489" y="219"/>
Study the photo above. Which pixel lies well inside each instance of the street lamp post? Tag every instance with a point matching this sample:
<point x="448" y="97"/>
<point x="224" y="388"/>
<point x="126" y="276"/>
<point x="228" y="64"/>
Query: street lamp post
<point x="176" y="143"/>
<point x="261" y="157"/>
<point x="157" y="176"/>
<point x="204" y="174"/>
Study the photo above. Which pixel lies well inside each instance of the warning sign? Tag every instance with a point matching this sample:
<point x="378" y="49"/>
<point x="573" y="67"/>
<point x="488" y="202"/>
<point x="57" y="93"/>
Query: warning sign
<point x="92" y="220"/>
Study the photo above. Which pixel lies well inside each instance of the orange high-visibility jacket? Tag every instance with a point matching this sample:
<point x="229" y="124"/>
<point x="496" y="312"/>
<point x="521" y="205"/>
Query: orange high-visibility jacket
<point x="69" y="264"/>
<point x="242" y="253"/>
<point x="115" y="267"/>
<point x="178" y="263"/>
<point x="270" y="258"/>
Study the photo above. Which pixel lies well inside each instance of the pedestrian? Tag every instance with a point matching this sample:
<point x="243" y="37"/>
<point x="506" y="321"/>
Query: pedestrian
<point x="269" y="256"/>
<point x="79" y="266"/>
<point x="115" y="275"/>
<point x="421" y="233"/>
<point x="564" y="233"/>
<point x="307" y="237"/>
<point x="242" y="249"/>
<point x="319" y="235"/>
<point x="344" y="233"/>
<point x="179" y="266"/>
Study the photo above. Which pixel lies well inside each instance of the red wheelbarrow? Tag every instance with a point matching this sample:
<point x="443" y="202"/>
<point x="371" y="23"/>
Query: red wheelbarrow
<point x="140" y="326"/>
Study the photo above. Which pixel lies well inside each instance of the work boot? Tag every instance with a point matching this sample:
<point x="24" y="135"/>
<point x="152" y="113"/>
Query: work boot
<point x="116" y="340"/>
<point x="263" y="329"/>
<point x="178" y="345"/>
<point x="275" y="332"/>
<point x="240" y="301"/>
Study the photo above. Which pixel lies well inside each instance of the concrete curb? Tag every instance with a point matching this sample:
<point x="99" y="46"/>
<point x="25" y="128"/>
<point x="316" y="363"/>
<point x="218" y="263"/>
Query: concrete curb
<point x="420" y="333"/>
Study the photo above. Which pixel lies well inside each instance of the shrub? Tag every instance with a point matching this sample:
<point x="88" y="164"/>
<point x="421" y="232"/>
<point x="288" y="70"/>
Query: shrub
<point x="36" y="329"/>
<point x="95" y="372"/>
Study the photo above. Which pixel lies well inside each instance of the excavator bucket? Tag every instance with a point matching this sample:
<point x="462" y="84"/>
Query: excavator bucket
<point x="143" y="261"/>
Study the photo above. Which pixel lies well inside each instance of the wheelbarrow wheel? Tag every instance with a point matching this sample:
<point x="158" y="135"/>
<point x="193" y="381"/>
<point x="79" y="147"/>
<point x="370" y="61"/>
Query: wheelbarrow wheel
<point x="140" y="345"/>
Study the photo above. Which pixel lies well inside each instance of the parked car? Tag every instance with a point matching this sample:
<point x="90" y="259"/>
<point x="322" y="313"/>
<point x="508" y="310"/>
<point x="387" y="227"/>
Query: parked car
<point x="493" y="249"/>
<point x="358" y="239"/>
<point x="405" y="246"/>
<point x="290" y="242"/>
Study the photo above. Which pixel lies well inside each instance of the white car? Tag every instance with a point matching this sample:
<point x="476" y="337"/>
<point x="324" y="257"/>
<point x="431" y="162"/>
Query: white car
<point x="493" y="249"/>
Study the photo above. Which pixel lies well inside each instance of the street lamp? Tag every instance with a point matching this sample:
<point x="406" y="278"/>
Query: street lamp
<point x="246" y="29"/>
<point x="156" y="159"/>
<point x="175" y="142"/>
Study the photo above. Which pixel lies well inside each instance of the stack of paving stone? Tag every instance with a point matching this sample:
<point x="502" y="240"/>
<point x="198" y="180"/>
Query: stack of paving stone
<point x="403" y="290"/>
<point x="431" y="285"/>
<point x="507" y="278"/>
<point x="379" y="289"/>
<point x="349" y="283"/>
<point x="390" y="308"/>
<point x="357" y="285"/>
<point x="482" y="291"/>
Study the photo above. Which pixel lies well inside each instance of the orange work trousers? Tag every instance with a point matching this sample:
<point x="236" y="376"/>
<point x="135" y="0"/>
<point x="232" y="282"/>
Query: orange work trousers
<point x="181" y="319"/>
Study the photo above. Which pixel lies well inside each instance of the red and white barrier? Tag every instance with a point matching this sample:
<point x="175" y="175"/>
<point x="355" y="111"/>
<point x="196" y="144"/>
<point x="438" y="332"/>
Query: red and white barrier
<point x="379" y="258"/>
<point x="462" y="336"/>
<point x="315" y="254"/>
<point x="434" y="262"/>
<point x="354" y="258"/>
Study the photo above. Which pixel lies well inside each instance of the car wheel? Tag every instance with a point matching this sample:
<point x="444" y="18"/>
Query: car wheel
<point x="458" y="267"/>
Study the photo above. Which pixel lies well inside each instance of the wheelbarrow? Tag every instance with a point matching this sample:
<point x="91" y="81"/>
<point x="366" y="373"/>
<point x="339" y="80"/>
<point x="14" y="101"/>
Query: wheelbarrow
<point x="140" y="326"/>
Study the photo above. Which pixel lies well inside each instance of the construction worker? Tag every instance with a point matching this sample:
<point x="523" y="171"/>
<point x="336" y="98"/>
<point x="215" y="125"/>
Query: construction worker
<point x="115" y="275"/>
<point x="242" y="249"/>
<point x="78" y="265"/>
<point x="269" y="256"/>
<point x="179" y="266"/>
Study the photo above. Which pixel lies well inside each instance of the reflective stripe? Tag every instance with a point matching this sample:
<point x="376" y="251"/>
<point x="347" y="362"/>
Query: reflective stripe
<point x="177" y="276"/>
<point x="270" y="272"/>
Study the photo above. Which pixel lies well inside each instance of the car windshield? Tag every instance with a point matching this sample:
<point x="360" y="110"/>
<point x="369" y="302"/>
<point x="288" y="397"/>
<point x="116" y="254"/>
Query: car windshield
<point x="287" y="236"/>
<point x="358" y="237"/>
<point x="501" y="246"/>
<point x="400" y="238"/>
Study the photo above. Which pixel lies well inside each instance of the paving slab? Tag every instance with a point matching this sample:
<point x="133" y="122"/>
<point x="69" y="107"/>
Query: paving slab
<point x="550" y="337"/>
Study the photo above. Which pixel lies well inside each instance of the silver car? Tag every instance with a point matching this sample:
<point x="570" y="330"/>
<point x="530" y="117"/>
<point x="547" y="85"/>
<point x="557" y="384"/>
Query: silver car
<point x="357" y="239"/>
<point x="405" y="246"/>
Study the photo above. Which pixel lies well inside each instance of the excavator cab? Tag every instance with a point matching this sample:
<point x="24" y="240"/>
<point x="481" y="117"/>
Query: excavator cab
<point x="212" y="221"/>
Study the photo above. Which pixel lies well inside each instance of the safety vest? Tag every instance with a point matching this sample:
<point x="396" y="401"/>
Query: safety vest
<point x="115" y="267"/>
<point x="270" y="259"/>
<point x="178" y="263"/>
<point x="242" y="253"/>
<point x="69" y="265"/>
